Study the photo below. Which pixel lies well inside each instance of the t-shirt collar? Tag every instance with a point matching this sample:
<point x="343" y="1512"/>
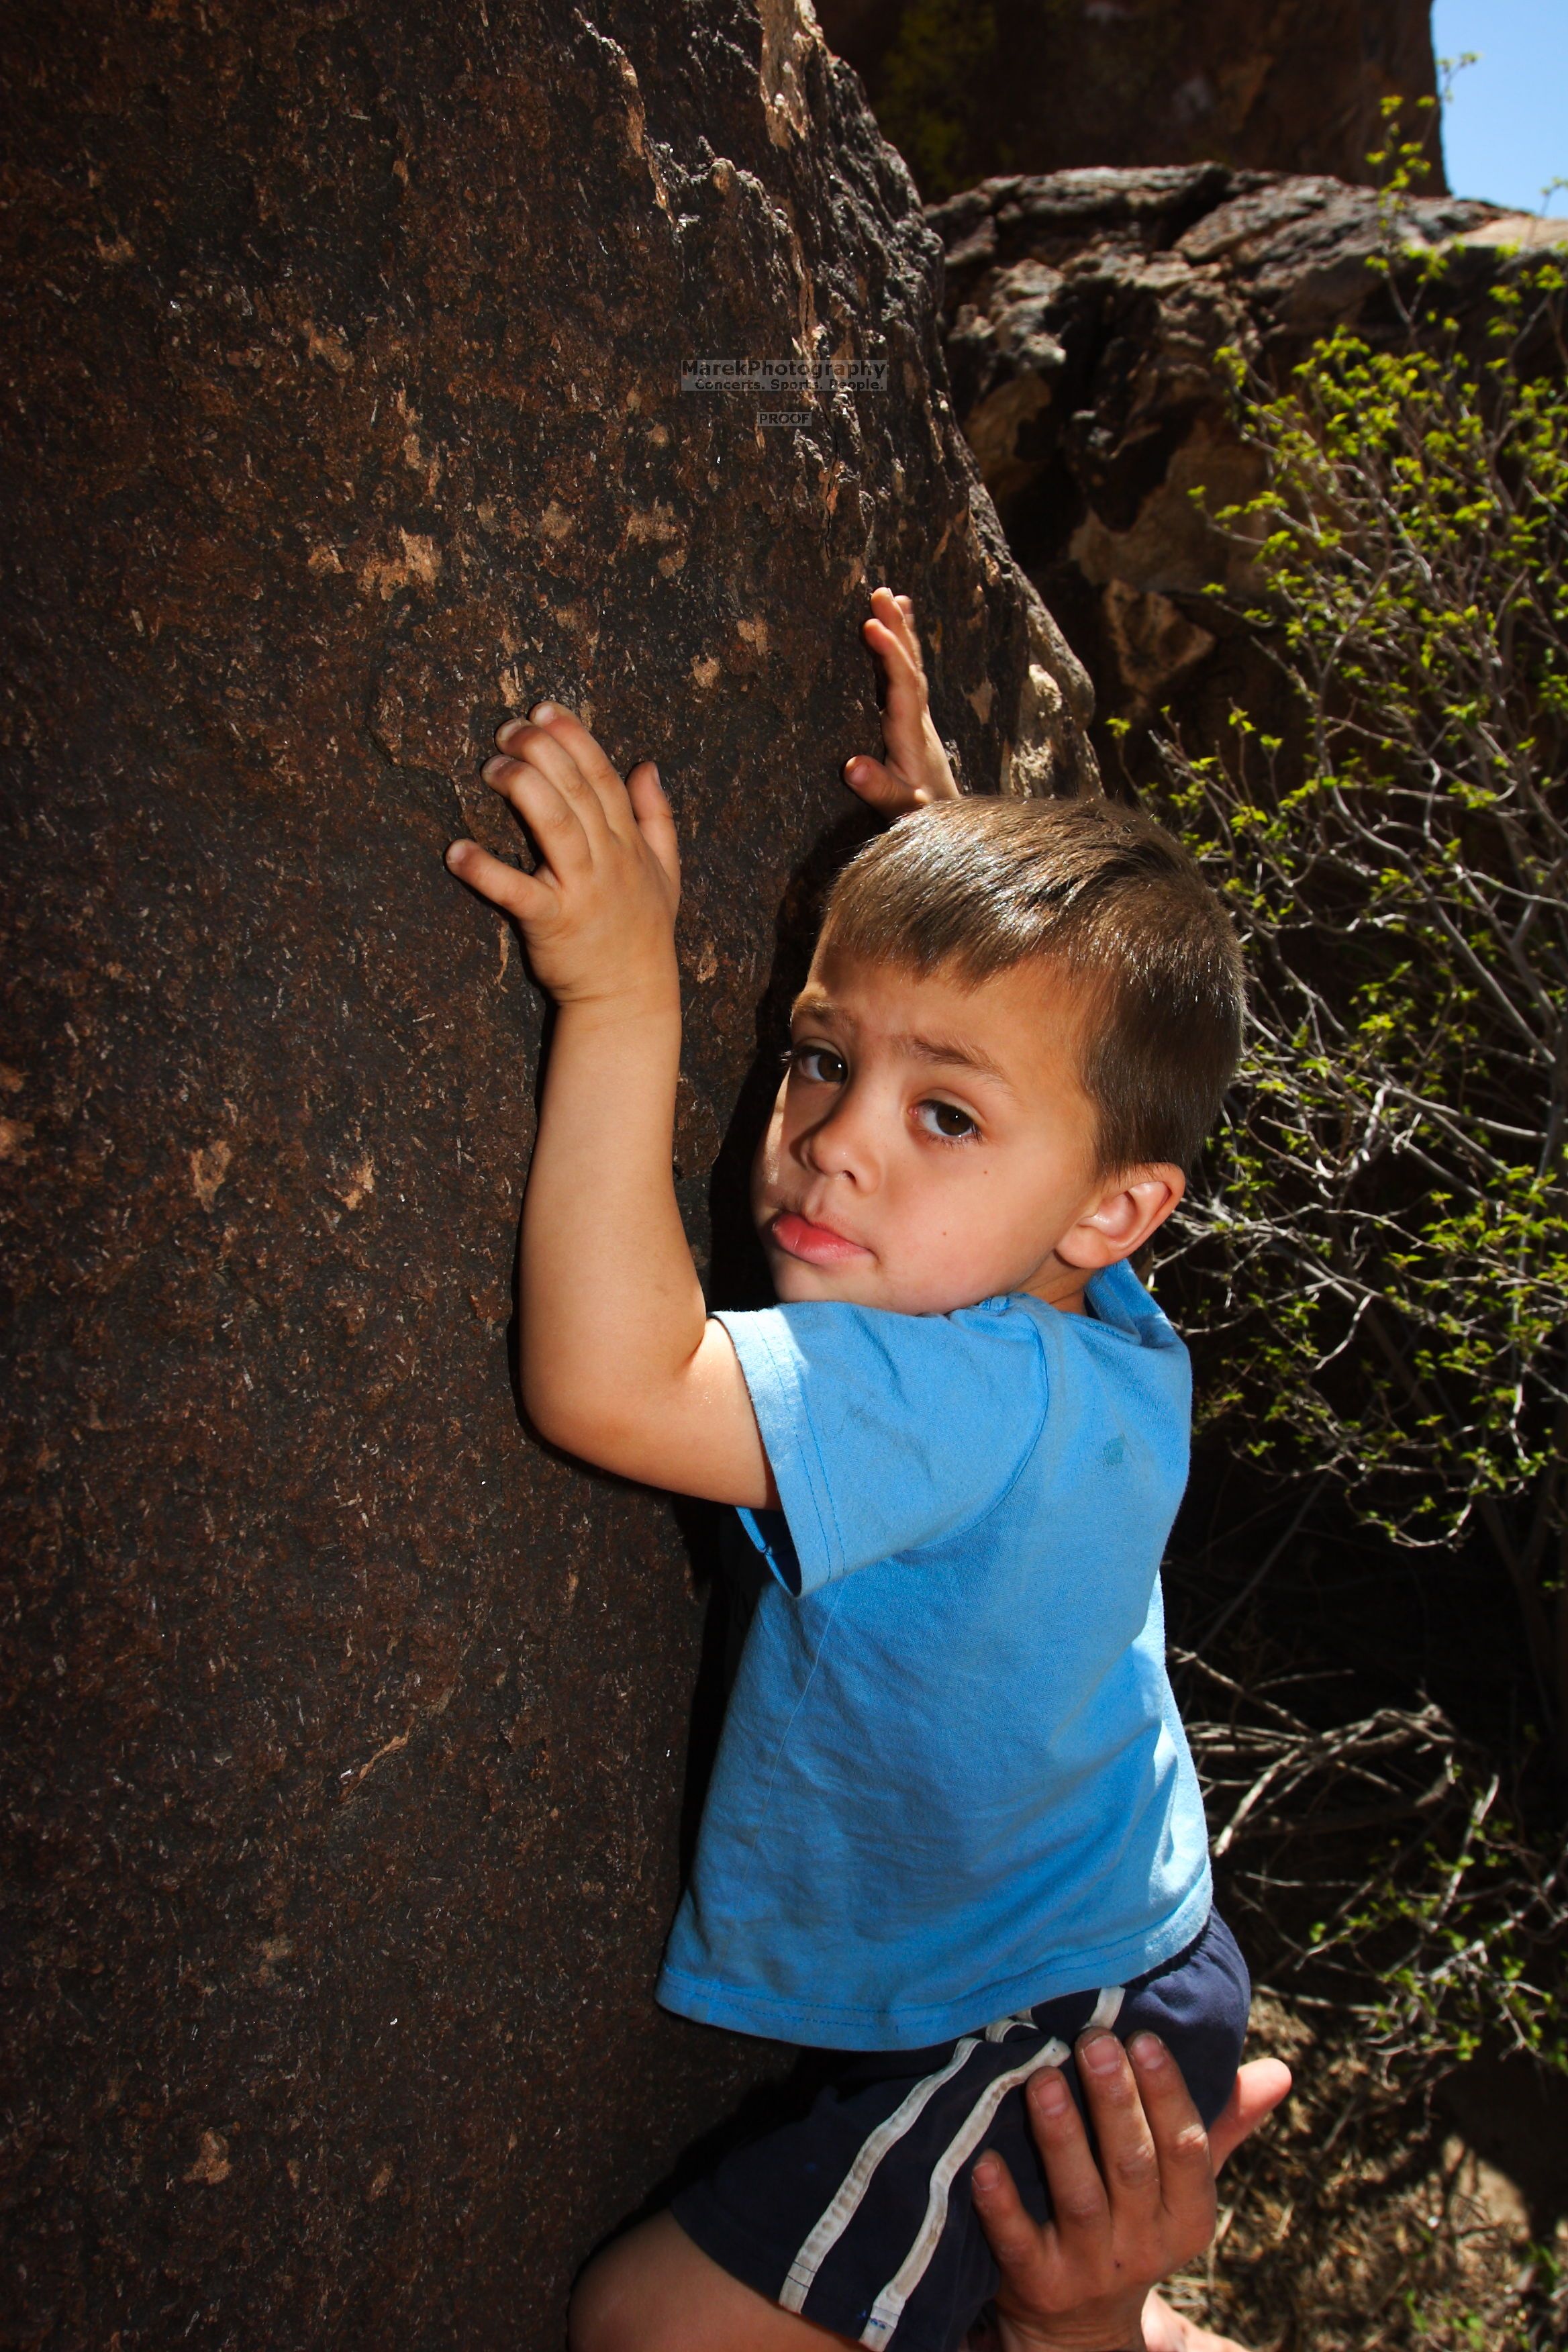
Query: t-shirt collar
<point x="1115" y="1296"/>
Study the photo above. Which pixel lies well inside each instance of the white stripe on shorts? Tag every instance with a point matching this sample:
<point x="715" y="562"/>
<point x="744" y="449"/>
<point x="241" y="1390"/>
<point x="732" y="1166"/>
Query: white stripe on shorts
<point x="846" y="2204"/>
<point x="1108" y="2008"/>
<point x="889" y="2307"/>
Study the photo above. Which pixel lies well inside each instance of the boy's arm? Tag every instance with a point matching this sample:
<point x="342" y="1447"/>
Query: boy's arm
<point x="914" y="768"/>
<point x="620" y="1362"/>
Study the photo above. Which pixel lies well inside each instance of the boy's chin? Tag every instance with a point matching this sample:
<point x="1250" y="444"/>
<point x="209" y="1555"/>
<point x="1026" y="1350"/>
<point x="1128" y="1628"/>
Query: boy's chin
<point x="795" y="1284"/>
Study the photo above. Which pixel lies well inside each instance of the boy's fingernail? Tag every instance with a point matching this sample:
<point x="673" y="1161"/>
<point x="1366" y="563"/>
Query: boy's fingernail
<point x="543" y="712"/>
<point x="1097" y="2052"/>
<point x="987" y="2172"/>
<point x="457" y="851"/>
<point x="1149" y="2051"/>
<point x="494" y="767"/>
<point x="1050" y="2090"/>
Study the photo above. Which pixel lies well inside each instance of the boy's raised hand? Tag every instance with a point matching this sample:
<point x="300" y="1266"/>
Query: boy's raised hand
<point x="598" y="913"/>
<point x="914" y="767"/>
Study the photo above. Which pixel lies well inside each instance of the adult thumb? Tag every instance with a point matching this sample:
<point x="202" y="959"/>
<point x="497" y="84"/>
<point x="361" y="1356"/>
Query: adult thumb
<point x="1257" y="2090"/>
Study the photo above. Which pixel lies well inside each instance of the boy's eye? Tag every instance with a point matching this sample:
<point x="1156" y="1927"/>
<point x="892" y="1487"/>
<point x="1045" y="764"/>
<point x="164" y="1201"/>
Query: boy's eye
<point x="819" y="1065"/>
<point x="945" y="1119"/>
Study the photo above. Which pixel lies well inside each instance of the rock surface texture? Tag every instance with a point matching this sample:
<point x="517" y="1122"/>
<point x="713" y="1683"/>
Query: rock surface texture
<point x="1019" y="86"/>
<point x="347" y="1726"/>
<point x="1084" y="312"/>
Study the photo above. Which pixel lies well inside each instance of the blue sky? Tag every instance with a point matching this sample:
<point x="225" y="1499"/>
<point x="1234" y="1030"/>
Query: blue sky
<point x="1505" y="129"/>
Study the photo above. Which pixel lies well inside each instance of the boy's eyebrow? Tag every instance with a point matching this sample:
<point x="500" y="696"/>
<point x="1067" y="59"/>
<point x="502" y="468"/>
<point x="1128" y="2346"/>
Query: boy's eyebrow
<point x="952" y="1049"/>
<point x="816" y="1005"/>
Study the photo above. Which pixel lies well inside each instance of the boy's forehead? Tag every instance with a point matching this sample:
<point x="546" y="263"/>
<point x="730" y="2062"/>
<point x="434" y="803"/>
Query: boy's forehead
<point x="1019" y="993"/>
<point x="1010" y="1023"/>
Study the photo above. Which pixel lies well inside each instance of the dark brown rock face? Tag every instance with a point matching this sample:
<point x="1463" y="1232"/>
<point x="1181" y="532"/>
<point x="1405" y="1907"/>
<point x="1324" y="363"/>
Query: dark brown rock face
<point x="347" y="1726"/>
<point x="1017" y="86"/>
<point x="1085" y="313"/>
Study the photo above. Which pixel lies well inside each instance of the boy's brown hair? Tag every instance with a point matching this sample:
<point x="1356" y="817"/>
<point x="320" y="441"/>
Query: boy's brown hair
<point x="1105" y="894"/>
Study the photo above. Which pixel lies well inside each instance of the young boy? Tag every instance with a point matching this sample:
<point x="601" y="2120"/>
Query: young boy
<point x="953" y="1820"/>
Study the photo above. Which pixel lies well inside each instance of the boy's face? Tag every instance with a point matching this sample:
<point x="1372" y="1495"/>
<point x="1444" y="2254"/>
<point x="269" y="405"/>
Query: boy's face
<point x="931" y="1145"/>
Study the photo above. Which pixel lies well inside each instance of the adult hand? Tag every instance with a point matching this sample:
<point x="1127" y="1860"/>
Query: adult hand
<point x="1081" y="2281"/>
<point x="914" y="768"/>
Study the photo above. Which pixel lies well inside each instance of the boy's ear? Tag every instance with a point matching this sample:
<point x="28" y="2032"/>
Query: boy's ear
<point x="1120" y="1221"/>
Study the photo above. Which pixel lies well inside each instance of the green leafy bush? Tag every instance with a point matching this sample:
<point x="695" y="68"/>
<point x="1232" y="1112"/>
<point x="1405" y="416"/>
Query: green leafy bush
<point x="1382" y="1229"/>
<point x="1376" y="1249"/>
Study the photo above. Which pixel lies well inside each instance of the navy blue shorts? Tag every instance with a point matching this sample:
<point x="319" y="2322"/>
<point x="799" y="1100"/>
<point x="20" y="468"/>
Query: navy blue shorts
<point x="859" y="2216"/>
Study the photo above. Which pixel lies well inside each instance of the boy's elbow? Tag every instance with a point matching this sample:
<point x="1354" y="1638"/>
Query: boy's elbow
<point x="559" y="1417"/>
<point x="579" y="1421"/>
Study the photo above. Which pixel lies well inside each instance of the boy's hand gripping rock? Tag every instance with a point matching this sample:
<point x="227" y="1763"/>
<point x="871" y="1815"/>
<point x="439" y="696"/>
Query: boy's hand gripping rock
<point x="598" y="912"/>
<point x="617" y="1358"/>
<point x="914" y="768"/>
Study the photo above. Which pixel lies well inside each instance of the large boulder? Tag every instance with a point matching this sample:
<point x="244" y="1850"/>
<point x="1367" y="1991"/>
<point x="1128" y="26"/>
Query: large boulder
<point x="348" y="1725"/>
<point x="965" y="90"/>
<point x="1086" y="316"/>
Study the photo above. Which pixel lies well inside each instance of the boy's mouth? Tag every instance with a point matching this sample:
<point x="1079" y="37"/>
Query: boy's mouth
<point x="817" y="1245"/>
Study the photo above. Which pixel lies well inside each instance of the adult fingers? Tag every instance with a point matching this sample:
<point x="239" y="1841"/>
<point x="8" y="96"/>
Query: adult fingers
<point x="552" y="818"/>
<point x="1258" y="2089"/>
<point x="1127" y="2154"/>
<point x="1013" y="2236"/>
<point x="1078" y="2200"/>
<point x="563" y="727"/>
<point x="522" y="894"/>
<point x="655" y="821"/>
<point x="1184" y="2169"/>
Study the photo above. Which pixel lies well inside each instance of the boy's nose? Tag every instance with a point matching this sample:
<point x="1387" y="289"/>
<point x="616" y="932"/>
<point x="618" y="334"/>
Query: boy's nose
<point x="844" y="1144"/>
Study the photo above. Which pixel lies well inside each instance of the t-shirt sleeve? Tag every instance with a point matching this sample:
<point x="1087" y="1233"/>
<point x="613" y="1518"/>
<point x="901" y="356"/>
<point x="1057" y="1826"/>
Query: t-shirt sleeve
<point x="886" y="1432"/>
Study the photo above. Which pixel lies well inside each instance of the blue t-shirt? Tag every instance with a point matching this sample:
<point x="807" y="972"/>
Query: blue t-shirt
<point x="952" y="1782"/>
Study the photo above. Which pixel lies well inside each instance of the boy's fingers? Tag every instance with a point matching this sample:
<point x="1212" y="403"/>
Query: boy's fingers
<point x="1258" y="2089"/>
<point x="882" y="786"/>
<point x="536" y="747"/>
<point x="655" y="822"/>
<point x="902" y="666"/>
<point x="892" y="605"/>
<point x="556" y="826"/>
<point x="563" y="727"/>
<point x="522" y="894"/>
<point x="897" y="614"/>
<point x="915" y="761"/>
<point x="910" y="635"/>
<point x="906" y="716"/>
